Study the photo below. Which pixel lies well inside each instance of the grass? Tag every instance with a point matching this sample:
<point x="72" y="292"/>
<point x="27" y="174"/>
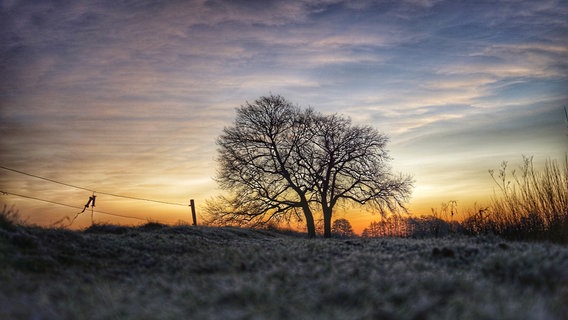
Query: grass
<point x="528" y="204"/>
<point x="162" y="272"/>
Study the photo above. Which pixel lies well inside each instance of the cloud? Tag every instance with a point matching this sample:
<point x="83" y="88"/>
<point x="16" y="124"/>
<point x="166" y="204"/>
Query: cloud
<point x="134" y="93"/>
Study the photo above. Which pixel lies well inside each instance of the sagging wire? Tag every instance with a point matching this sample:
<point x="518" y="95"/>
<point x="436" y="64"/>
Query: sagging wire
<point x="90" y="203"/>
<point x="90" y="190"/>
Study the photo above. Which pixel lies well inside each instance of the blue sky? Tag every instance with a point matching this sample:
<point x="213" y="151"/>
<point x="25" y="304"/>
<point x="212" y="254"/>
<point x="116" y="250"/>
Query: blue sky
<point x="128" y="97"/>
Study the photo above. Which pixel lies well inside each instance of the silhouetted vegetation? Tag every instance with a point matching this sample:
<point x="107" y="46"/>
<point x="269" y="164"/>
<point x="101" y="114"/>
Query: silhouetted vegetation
<point x="528" y="204"/>
<point x="9" y="218"/>
<point x="413" y="227"/>
<point x="282" y="162"/>
<point x="342" y="228"/>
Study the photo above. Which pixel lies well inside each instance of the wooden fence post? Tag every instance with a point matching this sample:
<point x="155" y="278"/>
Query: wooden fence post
<point x="192" y="205"/>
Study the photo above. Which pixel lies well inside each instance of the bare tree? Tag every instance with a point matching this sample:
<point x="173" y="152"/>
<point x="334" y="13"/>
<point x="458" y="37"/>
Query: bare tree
<point x="256" y="162"/>
<point x="374" y="230"/>
<point x="342" y="228"/>
<point x="350" y="163"/>
<point x="281" y="161"/>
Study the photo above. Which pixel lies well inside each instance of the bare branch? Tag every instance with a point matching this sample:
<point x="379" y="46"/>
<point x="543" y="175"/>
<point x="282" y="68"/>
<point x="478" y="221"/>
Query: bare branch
<point x="278" y="159"/>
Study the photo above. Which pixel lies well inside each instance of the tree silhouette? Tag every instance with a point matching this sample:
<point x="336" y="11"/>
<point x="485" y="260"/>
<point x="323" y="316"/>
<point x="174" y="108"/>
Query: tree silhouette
<point x="257" y="163"/>
<point x="350" y="163"/>
<point x="281" y="161"/>
<point x="342" y="228"/>
<point x="374" y="230"/>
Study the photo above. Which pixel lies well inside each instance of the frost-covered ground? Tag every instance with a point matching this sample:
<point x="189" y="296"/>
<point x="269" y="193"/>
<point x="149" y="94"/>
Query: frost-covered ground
<point x="210" y="273"/>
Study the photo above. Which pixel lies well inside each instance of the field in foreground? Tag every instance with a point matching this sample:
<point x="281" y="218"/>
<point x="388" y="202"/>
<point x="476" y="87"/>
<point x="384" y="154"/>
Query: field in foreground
<point x="157" y="272"/>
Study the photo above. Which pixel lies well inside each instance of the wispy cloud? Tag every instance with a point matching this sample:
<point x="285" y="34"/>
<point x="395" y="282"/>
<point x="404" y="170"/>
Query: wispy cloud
<point x="135" y="93"/>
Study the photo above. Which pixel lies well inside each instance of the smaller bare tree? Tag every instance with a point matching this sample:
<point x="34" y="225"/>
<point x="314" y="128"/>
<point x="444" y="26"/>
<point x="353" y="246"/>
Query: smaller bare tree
<point x="342" y="228"/>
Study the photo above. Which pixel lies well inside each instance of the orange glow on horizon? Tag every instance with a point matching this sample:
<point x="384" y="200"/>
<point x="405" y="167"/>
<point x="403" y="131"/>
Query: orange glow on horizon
<point x="425" y="200"/>
<point x="45" y="214"/>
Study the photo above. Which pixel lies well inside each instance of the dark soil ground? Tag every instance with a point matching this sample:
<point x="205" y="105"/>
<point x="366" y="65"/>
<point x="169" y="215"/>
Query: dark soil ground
<point x="159" y="272"/>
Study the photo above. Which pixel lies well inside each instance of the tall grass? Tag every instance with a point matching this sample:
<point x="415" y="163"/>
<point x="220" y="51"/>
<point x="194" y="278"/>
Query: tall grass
<point x="10" y="218"/>
<point x="528" y="204"/>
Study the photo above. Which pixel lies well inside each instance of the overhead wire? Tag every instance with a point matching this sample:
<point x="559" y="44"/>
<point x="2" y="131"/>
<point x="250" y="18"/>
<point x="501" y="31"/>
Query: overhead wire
<point x="67" y="205"/>
<point x="43" y="178"/>
<point x="91" y="190"/>
<point x="85" y="189"/>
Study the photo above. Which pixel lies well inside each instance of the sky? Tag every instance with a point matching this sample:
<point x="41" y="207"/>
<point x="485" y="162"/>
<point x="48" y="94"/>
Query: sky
<point x="128" y="97"/>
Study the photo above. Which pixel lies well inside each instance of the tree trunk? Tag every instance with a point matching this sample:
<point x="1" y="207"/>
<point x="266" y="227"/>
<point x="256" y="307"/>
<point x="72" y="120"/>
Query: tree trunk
<point x="308" y="215"/>
<point x="327" y="222"/>
<point x="310" y="222"/>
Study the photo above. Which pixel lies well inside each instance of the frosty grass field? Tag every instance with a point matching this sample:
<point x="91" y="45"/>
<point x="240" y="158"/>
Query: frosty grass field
<point x="183" y="272"/>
